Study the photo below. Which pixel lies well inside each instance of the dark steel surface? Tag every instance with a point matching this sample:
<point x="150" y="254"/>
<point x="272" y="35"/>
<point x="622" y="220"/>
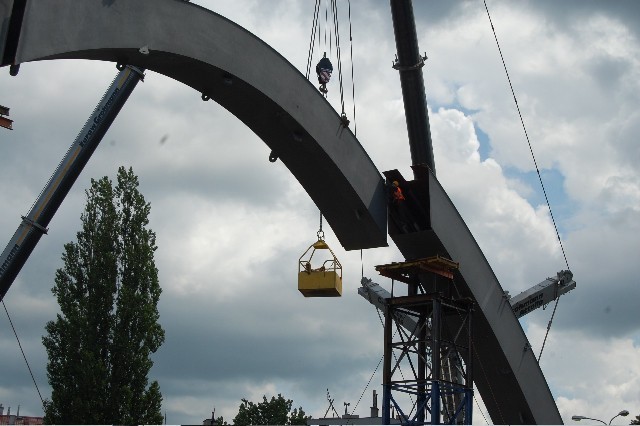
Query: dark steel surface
<point x="412" y="83"/>
<point x="506" y="371"/>
<point x="201" y="49"/>
<point x="10" y="17"/>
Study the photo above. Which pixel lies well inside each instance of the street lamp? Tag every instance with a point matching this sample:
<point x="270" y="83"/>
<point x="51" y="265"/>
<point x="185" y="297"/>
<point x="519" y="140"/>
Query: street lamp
<point x="621" y="413"/>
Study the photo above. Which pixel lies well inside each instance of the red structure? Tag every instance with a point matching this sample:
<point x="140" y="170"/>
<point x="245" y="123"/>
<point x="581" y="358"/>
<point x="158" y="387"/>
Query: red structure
<point x="12" y="419"/>
<point x="4" y="121"/>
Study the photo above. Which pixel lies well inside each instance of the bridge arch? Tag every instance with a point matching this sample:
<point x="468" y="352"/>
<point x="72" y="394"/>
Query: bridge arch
<point x="201" y="49"/>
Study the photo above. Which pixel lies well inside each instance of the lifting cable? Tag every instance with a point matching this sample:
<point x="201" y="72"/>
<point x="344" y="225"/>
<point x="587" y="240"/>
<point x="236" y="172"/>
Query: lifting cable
<point x="478" y="405"/>
<point x="368" y="383"/>
<point x="334" y="10"/>
<point x="315" y="30"/>
<point x="326" y="25"/>
<point x="353" y="85"/>
<point x="378" y="366"/>
<point x="537" y="171"/>
<point x="23" y="354"/>
<point x="320" y="233"/>
<point x="484" y="373"/>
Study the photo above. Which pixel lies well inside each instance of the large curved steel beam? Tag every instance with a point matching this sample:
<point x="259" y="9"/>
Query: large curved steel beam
<point x="506" y="371"/>
<point x="231" y="66"/>
<point x="202" y="49"/>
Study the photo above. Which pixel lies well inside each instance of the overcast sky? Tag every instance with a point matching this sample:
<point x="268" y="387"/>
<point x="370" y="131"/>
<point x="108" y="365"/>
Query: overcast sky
<point x="231" y="225"/>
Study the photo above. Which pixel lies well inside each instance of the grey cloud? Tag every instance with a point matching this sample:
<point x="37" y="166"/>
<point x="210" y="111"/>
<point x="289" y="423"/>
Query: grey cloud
<point x="217" y="347"/>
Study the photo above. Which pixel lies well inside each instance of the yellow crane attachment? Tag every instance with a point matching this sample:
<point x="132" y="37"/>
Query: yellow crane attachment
<point x="323" y="281"/>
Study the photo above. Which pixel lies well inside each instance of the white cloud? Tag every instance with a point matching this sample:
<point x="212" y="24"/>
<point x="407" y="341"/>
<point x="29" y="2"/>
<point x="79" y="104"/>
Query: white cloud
<point x="231" y="226"/>
<point x="580" y="363"/>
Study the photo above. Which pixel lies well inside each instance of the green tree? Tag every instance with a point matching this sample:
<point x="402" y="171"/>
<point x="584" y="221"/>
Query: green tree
<point x="276" y="411"/>
<point x="219" y="421"/>
<point x="636" y="421"/>
<point x="100" y="343"/>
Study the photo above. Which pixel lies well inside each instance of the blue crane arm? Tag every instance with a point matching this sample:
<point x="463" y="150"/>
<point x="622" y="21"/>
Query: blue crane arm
<point x="34" y="224"/>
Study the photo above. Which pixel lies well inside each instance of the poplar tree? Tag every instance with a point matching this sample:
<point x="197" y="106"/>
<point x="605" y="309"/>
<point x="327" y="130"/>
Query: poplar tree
<point x="100" y="343"/>
<point x="276" y="411"/>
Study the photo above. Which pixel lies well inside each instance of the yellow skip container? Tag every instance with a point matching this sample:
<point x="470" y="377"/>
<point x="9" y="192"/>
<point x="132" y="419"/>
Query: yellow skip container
<point x="324" y="281"/>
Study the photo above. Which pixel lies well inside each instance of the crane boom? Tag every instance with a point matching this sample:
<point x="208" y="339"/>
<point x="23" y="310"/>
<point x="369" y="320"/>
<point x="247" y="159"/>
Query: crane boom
<point x="529" y="300"/>
<point x="542" y="293"/>
<point x="409" y="63"/>
<point x="34" y="224"/>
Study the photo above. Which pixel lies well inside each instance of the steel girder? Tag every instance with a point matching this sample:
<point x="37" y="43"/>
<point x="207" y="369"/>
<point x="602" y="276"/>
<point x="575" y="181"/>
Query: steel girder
<point x="228" y="64"/>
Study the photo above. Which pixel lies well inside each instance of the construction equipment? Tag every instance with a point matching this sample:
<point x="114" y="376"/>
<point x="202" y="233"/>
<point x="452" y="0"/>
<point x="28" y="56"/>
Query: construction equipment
<point x="35" y="223"/>
<point x="454" y="368"/>
<point x="324" y="281"/>
<point x="542" y="293"/>
<point x="529" y="300"/>
<point x="432" y="341"/>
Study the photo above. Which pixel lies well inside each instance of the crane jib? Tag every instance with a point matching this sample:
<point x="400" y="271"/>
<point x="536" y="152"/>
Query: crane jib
<point x="7" y="261"/>
<point x="25" y="239"/>
<point x="98" y="118"/>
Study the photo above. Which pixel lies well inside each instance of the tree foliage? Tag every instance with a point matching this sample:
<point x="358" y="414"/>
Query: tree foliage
<point x="636" y="421"/>
<point x="270" y="412"/>
<point x="219" y="421"/>
<point x="100" y="343"/>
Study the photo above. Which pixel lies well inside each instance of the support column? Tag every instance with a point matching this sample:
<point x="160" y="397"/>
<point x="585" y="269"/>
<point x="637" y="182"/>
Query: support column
<point x="386" y="366"/>
<point x="435" y="362"/>
<point x="422" y="369"/>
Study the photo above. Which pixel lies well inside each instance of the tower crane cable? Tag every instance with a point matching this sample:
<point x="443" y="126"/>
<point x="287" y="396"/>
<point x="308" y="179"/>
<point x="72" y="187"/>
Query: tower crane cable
<point x="336" y="29"/>
<point x="314" y="33"/>
<point x="537" y="169"/>
<point x="481" y="412"/>
<point x="484" y="373"/>
<point x="378" y="366"/>
<point x="23" y="354"/>
<point x="320" y="233"/>
<point x="548" y="328"/>
<point x="353" y="85"/>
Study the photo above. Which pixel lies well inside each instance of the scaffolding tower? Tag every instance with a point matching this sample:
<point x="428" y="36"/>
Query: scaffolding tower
<point x="427" y="345"/>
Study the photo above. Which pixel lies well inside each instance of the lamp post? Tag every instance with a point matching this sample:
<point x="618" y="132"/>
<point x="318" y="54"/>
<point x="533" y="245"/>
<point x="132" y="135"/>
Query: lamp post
<point x="621" y="413"/>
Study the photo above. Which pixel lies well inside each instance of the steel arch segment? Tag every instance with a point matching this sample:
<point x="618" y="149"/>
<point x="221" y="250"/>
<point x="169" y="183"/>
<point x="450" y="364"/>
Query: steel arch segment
<point x="239" y="71"/>
<point x="506" y="372"/>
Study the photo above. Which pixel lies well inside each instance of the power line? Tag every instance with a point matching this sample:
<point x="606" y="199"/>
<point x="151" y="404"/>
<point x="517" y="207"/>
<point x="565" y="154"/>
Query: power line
<point x="23" y="354"/>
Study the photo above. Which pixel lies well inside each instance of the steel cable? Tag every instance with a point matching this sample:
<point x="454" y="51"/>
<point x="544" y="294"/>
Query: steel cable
<point x="537" y="169"/>
<point x="23" y="354"/>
